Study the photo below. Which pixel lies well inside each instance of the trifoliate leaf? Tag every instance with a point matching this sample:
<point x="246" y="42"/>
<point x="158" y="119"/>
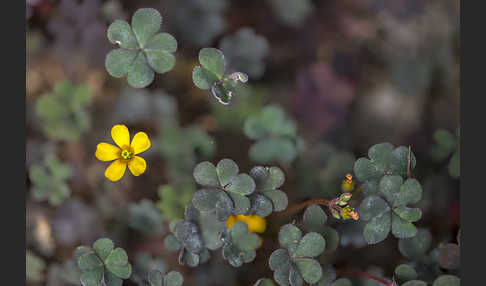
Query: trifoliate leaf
<point x="378" y="228"/>
<point x="311" y="245"/>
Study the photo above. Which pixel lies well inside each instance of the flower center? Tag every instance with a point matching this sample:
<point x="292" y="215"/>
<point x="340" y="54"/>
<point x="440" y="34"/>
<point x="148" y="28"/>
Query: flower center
<point x="126" y="154"/>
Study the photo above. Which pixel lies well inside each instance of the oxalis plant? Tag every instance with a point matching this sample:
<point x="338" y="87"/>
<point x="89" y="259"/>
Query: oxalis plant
<point x="228" y="210"/>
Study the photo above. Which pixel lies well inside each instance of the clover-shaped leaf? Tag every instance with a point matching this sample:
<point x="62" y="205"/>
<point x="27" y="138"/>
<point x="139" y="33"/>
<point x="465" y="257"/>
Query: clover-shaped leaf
<point x="141" y="50"/>
<point x="414" y="283"/>
<point x="389" y="211"/>
<point x="295" y="264"/>
<point x="404" y="273"/>
<point x="210" y="75"/>
<point x="188" y="239"/>
<point x="64" y="111"/>
<point x="173" y="278"/>
<point x="227" y="191"/>
<point x="267" y="197"/>
<point x="102" y="264"/>
<point x="315" y="221"/>
<point x="383" y="159"/>
<point x="239" y="244"/>
<point x="276" y="136"/>
<point x="416" y="246"/>
<point x="49" y="180"/>
<point x="447" y="280"/>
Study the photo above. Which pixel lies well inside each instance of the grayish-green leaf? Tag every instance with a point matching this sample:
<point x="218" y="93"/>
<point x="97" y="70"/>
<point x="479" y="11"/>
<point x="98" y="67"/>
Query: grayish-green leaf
<point x="447" y="280"/>
<point x="390" y="187"/>
<point x="145" y="23"/>
<point x="120" y="32"/>
<point x="309" y="268"/>
<point x="161" y="61"/>
<point x="402" y="228"/>
<point x="278" y="259"/>
<point x="364" y="169"/>
<point x="408" y="214"/>
<point x="372" y="206"/>
<point x="311" y="245"/>
<point x="119" y="61"/>
<point x="213" y="60"/>
<point x="140" y="74"/>
<point x="279" y="199"/>
<point x="226" y="171"/>
<point x="203" y="78"/>
<point x="289" y="237"/>
<point x="342" y="282"/>
<point x="162" y="41"/>
<point x="103" y="247"/>
<point x="314" y="218"/>
<point x="378" y="228"/>
<point x="410" y="193"/>
<point x="414" y="283"/>
<point x="241" y="184"/>
<point x="205" y="174"/>
<point x="173" y="278"/>
<point x="171" y="243"/>
<point x="416" y="246"/>
<point x="405" y="273"/>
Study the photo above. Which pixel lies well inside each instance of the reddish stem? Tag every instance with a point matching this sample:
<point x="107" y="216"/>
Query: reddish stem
<point x="303" y="205"/>
<point x="366" y="276"/>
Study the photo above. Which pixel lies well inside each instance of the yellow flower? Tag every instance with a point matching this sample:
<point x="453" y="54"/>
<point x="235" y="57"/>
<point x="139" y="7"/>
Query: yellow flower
<point x="255" y="223"/>
<point x="348" y="212"/>
<point x="348" y="183"/>
<point x="124" y="154"/>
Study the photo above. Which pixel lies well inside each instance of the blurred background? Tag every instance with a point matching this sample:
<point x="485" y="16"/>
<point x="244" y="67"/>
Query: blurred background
<point x="348" y="73"/>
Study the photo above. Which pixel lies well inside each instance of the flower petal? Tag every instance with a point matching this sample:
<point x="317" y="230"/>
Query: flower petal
<point x="140" y="142"/>
<point x="115" y="171"/>
<point x="107" y="152"/>
<point x="137" y="165"/>
<point x="120" y="135"/>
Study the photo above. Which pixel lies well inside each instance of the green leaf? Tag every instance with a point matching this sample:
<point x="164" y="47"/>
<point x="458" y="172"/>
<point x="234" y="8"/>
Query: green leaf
<point x="281" y="275"/>
<point x="206" y="200"/>
<point x="162" y="41"/>
<point x="103" y="247"/>
<point x="248" y="241"/>
<point x="402" y="228"/>
<point x="145" y="23"/>
<point x="371" y="187"/>
<point x="447" y="280"/>
<point x="213" y="60"/>
<point x="405" y="273"/>
<point x="278" y="259"/>
<point x="289" y="237"/>
<point x="117" y="263"/>
<point x="381" y="155"/>
<point x="279" y="199"/>
<point x="241" y="184"/>
<point x="408" y="214"/>
<point x="295" y="278"/>
<point x="415" y="247"/>
<point x="253" y="129"/>
<point x="390" y="187"/>
<point x="224" y="206"/>
<point x="155" y="278"/>
<point x="226" y="171"/>
<point x="332" y="238"/>
<point x="309" y="268"/>
<point x="261" y="205"/>
<point x="445" y="144"/>
<point x="372" y="206"/>
<point x="364" y="169"/>
<point x="311" y="245"/>
<point x="111" y="279"/>
<point x="120" y="32"/>
<point x="91" y="277"/>
<point x="222" y="93"/>
<point x="205" y="174"/>
<point x="314" y="218"/>
<point x="119" y="61"/>
<point x="399" y="163"/>
<point x="161" y="61"/>
<point x="173" y="278"/>
<point x="80" y="251"/>
<point x="378" y="228"/>
<point x="171" y="243"/>
<point x="276" y="178"/>
<point x="89" y="261"/>
<point x="260" y="175"/>
<point x="140" y="74"/>
<point x="241" y="203"/>
<point x="203" y="78"/>
<point x="410" y="193"/>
